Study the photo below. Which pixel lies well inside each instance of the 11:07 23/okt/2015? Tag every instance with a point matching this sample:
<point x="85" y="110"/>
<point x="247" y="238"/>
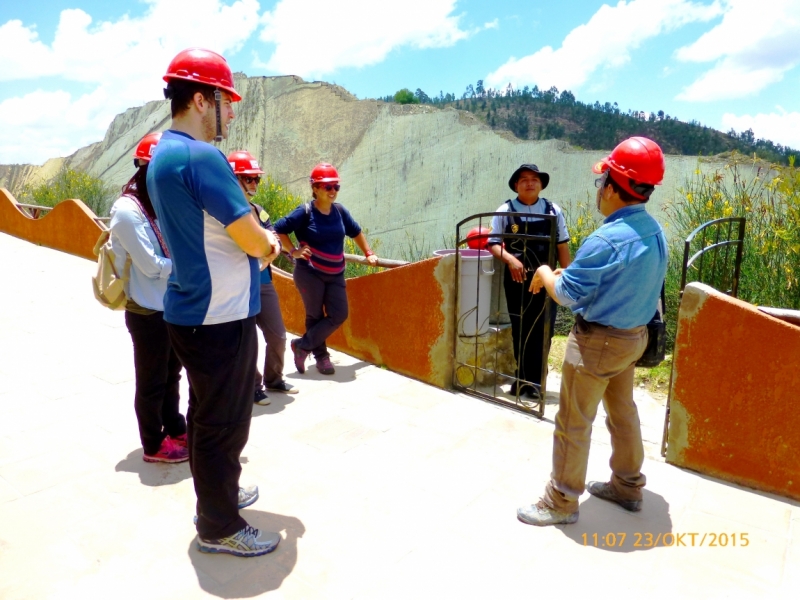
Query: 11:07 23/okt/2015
<point x="652" y="540"/>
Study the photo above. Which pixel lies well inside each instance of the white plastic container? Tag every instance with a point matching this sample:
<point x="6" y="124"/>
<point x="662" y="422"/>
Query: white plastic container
<point x="475" y="290"/>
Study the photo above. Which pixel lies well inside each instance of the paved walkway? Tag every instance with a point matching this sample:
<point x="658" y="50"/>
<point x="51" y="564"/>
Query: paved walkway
<point x="382" y="487"/>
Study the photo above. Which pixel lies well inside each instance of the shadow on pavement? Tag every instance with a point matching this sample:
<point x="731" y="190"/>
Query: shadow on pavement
<point x="153" y="474"/>
<point x="606" y="526"/>
<point x="277" y="402"/>
<point x="227" y="576"/>
<point x="343" y="374"/>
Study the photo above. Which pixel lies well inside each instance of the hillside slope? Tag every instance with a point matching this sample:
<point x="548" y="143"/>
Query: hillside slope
<point x="408" y="171"/>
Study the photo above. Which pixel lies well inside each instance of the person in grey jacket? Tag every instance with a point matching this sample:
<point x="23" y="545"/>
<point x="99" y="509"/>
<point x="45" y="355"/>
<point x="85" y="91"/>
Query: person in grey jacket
<point x="269" y="320"/>
<point x="136" y="241"/>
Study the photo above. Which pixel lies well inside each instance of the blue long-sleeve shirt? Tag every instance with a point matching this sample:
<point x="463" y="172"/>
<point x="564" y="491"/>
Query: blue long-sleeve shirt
<point x="618" y="271"/>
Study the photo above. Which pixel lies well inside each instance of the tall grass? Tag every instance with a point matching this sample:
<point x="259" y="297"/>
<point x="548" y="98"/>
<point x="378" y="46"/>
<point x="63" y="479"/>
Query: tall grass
<point x="768" y="196"/>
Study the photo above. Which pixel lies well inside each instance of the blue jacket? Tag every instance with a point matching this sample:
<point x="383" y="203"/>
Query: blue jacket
<point x="618" y="271"/>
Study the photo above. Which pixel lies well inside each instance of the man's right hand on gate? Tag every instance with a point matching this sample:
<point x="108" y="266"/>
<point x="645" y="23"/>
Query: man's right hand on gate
<point x="516" y="267"/>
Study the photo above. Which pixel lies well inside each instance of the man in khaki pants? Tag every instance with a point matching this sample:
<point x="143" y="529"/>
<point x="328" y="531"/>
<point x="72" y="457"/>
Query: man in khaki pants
<point x="612" y="287"/>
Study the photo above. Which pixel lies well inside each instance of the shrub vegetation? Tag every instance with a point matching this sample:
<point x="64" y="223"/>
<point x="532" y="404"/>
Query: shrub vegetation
<point x="71" y="184"/>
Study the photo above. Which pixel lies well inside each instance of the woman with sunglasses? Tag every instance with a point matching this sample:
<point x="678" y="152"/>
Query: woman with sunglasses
<point x="320" y="227"/>
<point x="270" y="319"/>
<point x="139" y="248"/>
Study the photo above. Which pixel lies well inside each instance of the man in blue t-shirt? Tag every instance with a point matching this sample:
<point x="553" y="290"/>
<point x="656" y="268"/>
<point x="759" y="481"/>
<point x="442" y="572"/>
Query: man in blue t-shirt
<point x="213" y="293"/>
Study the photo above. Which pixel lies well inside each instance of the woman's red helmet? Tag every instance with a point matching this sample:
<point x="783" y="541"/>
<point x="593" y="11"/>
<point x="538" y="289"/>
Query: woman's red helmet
<point x="244" y="163"/>
<point x="144" y="151"/>
<point x="324" y="173"/>
<point x="202" y="66"/>
<point x="637" y="160"/>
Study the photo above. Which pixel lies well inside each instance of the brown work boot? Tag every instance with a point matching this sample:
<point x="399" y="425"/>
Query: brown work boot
<point x="606" y="491"/>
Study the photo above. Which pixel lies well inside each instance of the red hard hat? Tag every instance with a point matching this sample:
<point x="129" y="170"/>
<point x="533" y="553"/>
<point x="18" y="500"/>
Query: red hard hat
<point x="477" y="238"/>
<point x="244" y="163"/>
<point x="202" y="66"/>
<point x="324" y="173"/>
<point x="144" y="151"/>
<point x="637" y="158"/>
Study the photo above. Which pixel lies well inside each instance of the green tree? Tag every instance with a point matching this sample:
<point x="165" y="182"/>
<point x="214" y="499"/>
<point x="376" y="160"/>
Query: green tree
<point x="71" y="184"/>
<point x="405" y="96"/>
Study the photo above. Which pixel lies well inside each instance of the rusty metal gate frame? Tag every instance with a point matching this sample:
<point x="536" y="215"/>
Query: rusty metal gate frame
<point x="708" y="245"/>
<point x="464" y="371"/>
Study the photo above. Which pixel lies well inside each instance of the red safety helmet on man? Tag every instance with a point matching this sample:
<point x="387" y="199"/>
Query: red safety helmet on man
<point x="144" y="151"/>
<point x="244" y="163"/>
<point x="203" y="66"/>
<point x="636" y="164"/>
<point x="324" y="173"/>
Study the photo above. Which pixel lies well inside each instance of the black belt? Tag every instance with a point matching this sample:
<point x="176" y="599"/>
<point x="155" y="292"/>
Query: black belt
<point x="579" y="320"/>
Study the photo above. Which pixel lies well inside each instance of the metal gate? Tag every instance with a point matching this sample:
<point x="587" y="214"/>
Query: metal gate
<point x="715" y="238"/>
<point x="717" y="261"/>
<point x="484" y="358"/>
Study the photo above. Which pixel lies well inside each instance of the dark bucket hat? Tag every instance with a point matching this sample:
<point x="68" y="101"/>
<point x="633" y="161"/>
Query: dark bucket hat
<point x="512" y="183"/>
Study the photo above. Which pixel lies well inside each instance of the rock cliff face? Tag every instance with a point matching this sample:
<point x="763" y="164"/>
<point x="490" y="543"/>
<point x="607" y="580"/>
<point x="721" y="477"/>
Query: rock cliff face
<point x="408" y="172"/>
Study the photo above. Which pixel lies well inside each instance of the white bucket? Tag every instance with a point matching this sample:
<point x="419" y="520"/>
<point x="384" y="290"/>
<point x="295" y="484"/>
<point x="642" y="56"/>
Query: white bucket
<point x="475" y="290"/>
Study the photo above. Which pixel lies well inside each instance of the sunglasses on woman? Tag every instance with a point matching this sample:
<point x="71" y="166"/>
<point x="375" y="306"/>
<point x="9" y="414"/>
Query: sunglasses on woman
<point x="330" y="186"/>
<point x="249" y="180"/>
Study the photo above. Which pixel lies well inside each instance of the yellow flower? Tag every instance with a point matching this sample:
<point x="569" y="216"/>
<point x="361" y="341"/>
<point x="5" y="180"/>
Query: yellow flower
<point x="727" y="211"/>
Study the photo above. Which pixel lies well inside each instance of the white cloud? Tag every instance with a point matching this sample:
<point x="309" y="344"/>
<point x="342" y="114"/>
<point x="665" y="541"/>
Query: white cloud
<point x="605" y="41"/>
<point x="781" y="127"/>
<point x="122" y="61"/>
<point x="316" y="37"/>
<point x="756" y="43"/>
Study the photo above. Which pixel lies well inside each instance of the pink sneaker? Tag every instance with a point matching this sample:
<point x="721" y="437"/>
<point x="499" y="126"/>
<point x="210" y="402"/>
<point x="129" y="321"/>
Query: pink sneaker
<point x="300" y="355"/>
<point x="181" y="440"/>
<point x="169" y="452"/>
<point x="325" y="366"/>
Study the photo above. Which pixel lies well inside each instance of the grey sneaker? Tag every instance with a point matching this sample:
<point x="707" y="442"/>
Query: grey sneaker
<point x="605" y="491"/>
<point x="541" y="515"/>
<point x="283" y="388"/>
<point x="247" y="496"/>
<point x="248" y="541"/>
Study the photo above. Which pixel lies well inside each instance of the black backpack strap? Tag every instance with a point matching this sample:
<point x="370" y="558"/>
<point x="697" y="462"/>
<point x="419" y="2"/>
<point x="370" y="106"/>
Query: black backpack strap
<point x="513" y="219"/>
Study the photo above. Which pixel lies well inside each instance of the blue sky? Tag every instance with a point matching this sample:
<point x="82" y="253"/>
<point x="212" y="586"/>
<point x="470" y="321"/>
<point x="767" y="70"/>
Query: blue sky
<point x="67" y="67"/>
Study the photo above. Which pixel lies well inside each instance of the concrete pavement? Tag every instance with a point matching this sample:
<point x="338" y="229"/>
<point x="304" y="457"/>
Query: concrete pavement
<point x="382" y="487"/>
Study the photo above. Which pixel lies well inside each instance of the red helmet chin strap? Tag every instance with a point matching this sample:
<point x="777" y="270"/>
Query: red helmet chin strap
<point x="218" y="100"/>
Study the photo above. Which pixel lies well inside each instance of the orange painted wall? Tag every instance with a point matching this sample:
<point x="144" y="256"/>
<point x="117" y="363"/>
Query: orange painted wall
<point x="399" y="318"/>
<point x="69" y="227"/>
<point x="735" y="397"/>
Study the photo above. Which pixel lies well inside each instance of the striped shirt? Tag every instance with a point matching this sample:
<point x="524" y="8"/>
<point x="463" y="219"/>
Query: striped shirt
<point x="323" y="234"/>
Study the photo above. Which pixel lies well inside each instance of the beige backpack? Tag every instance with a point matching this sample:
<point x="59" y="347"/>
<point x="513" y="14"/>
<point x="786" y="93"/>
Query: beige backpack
<point x="107" y="284"/>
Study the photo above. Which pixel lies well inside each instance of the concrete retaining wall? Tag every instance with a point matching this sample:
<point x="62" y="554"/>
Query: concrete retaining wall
<point x="734" y="398"/>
